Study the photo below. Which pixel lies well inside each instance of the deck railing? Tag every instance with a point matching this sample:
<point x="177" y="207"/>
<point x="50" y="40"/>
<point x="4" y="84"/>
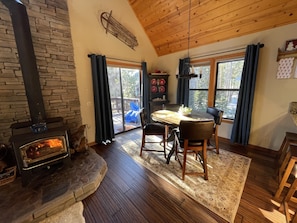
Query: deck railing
<point x="117" y="102"/>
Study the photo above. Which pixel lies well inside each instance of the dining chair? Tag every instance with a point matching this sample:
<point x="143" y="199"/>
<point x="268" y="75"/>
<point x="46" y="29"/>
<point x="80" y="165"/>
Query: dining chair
<point x="192" y="137"/>
<point x="218" y="116"/>
<point x="151" y="129"/>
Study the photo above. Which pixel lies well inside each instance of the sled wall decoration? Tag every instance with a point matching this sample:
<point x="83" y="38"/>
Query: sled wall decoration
<point x="112" y="26"/>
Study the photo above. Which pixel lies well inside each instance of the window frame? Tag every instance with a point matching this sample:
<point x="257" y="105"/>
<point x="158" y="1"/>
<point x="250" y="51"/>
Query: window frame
<point x="212" y="61"/>
<point x="126" y="65"/>
<point x="196" y="66"/>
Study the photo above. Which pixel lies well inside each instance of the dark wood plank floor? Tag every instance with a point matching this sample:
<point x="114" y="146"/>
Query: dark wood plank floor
<point x="131" y="193"/>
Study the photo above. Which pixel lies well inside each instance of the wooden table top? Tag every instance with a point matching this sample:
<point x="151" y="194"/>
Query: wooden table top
<point x="174" y="118"/>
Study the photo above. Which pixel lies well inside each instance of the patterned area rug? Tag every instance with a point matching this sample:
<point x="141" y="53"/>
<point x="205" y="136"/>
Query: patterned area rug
<point x="221" y="193"/>
<point x="73" y="214"/>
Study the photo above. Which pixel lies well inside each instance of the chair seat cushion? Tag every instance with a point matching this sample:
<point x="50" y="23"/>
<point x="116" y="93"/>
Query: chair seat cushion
<point x="191" y="143"/>
<point x="156" y="128"/>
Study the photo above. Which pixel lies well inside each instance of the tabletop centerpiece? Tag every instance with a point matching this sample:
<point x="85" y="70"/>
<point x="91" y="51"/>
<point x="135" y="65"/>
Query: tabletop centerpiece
<point x="183" y="110"/>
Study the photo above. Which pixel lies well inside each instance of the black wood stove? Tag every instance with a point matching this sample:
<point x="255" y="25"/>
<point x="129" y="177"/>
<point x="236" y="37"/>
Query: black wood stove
<point x="42" y="141"/>
<point x="35" y="150"/>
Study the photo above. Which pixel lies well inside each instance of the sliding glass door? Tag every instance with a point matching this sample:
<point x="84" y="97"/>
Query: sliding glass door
<point x="124" y="84"/>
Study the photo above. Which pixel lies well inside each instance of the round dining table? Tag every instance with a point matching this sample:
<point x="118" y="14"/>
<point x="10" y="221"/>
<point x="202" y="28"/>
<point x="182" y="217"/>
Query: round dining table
<point x="171" y="119"/>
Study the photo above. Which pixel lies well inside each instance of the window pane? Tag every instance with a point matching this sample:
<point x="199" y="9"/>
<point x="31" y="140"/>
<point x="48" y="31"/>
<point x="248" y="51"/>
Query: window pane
<point x="198" y="100"/>
<point x="229" y="74"/>
<point x="124" y="86"/>
<point x="200" y="82"/>
<point x="228" y="84"/>
<point x="227" y="101"/>
<point x="114" y="78"/>
<point x="198" y="95"/>
<point x="130" y="83"/>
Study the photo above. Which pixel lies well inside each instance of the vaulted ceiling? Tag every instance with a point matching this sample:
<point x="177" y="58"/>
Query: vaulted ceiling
<point x="166" y="22"/>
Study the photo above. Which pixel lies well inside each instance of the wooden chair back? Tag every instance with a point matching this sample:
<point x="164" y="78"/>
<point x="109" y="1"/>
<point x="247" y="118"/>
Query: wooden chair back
<point x="193" y="137"/>
<point x="143" y="118"/>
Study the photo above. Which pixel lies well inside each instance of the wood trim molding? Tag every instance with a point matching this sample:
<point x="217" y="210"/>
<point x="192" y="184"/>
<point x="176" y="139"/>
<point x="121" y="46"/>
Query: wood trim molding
<point x="261" y="150"/>
<point x="122" y="64"/>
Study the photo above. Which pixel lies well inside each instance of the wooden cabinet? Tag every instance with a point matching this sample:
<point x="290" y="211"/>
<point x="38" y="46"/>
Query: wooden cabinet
<point x="158" y="95"/>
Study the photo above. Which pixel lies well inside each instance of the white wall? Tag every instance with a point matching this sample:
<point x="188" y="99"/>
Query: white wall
<point x="270" y="118"/>
<point x="89" y="36"/>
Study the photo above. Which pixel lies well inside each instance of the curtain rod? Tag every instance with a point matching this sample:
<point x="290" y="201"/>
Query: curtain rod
<point x="130" y="61"/>
<point x="111" y="58"/>
<point x="225" y="51"/>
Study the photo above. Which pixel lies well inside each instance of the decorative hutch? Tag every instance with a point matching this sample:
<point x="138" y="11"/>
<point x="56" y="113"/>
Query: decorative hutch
<point x="158" y="88"/>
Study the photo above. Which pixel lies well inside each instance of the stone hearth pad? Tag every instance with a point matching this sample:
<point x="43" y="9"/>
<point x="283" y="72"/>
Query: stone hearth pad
<point x="52" y="190"/>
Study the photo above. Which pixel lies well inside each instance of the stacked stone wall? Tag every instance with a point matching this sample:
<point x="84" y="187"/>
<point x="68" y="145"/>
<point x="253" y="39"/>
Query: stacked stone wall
<point x="51" y="36"/>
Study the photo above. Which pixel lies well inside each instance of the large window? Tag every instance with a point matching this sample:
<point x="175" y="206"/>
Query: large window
<point x="198" y="95"/>
<point x="217" y="84"/>
<point x="227" y="86"/>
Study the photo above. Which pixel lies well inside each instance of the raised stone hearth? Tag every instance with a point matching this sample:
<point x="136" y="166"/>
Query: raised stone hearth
<point x="52" y="190"/>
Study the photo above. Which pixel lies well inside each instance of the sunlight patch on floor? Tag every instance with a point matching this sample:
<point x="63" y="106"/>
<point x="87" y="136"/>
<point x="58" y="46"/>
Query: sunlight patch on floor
<point x="274" y="215"/>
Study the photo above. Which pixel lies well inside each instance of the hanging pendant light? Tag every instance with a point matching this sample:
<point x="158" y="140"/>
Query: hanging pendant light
<point x="188" y="71"/>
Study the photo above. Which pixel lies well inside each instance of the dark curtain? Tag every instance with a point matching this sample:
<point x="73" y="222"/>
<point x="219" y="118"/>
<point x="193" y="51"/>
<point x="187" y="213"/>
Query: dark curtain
<point x="182" y="96"/>
<point x="242" y="121"/>
<point x="103" y="113"/>
<point x="146" y="90"/>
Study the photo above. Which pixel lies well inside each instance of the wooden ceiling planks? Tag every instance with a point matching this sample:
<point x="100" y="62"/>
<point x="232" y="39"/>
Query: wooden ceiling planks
<point x="147" y="13"/>
<point x="166" y="21"/>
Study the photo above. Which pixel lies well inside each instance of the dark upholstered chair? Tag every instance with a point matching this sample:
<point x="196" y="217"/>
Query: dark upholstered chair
<point x="218" y="116"/>
<point x="193" y="137"/>
<point x="151" y="129"/>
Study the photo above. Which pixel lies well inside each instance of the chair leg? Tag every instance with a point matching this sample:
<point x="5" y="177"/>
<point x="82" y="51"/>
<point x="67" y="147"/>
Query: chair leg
<point x="204" y="156"/>
<point x="164" y="144"/>
<point x="217" y="142"/>
<point x="294" y="218"/>
<point x="142" y="143"/>
<point x="287" y="199"/>
<point x="285" y="178"/>
<point x="185" y="159"/>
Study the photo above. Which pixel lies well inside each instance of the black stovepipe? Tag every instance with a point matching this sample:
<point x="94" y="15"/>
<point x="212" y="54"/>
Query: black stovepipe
<point x="27" y="59"/>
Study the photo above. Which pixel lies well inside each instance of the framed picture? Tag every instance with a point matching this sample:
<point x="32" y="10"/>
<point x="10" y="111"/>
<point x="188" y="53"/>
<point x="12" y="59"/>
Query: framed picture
<point x="291" y="45"/>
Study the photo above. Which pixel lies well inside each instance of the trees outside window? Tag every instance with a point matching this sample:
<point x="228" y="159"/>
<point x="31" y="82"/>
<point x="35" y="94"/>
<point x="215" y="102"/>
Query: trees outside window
<point x="125" y="94"/>
<point x="227" y="86"/>
<point x="198" y="88"/>
<point x="217" y="84"/>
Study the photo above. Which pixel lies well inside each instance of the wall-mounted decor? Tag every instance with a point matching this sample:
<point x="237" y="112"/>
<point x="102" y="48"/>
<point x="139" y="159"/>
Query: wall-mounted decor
<point x="112" y="26"/>
<point x="287" y="67"/>
<point x="291" y="45"/>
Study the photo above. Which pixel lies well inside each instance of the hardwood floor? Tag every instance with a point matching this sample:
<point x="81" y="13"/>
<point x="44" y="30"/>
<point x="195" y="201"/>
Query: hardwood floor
<point x="131" y="193"/>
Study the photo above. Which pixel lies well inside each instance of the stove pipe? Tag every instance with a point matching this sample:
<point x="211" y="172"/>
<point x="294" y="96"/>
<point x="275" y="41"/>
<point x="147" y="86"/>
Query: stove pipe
<point x="27" y="58"/>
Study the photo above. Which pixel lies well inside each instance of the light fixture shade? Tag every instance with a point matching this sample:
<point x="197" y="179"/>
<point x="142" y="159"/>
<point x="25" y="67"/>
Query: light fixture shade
<point x="186" y="71"/>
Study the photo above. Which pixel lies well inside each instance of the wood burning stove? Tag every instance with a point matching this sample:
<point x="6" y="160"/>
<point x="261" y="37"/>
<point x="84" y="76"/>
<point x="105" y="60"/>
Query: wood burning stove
<point x="34" y="141"/>
<point x="39" y="150"/>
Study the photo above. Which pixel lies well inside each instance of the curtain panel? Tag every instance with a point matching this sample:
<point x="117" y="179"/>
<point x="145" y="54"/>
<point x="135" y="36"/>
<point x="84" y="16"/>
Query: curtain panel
<point x="242" y="121"/>
<point x="103" y="113"/>
<point x="146" y="88"/>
